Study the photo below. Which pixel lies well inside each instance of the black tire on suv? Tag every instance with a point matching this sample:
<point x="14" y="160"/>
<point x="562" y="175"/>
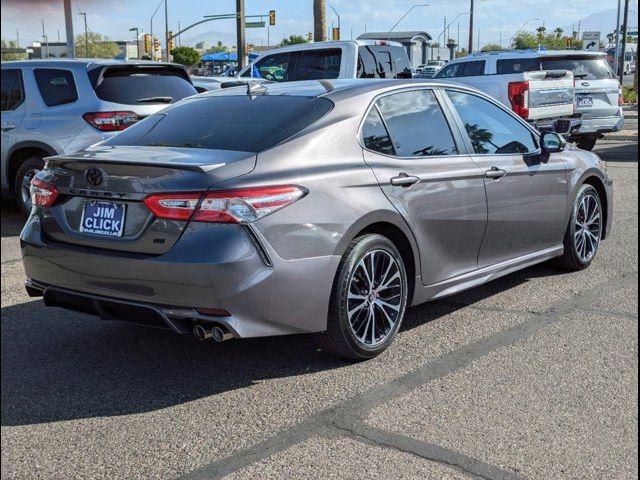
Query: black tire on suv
<point x="27" y="169"/>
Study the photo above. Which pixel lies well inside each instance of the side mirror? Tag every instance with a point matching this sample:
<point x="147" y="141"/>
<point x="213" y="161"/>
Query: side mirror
<point x="551" y="142"/>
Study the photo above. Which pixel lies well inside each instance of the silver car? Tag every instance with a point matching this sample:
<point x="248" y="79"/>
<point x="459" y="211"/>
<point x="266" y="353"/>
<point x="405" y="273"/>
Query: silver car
<point x="52" y="107"/>
<point x="322" y="206"/>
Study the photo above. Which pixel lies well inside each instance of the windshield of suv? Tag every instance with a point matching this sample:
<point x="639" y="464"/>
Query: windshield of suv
<point x="583" y="67"/>
<point x="135" y="86"/>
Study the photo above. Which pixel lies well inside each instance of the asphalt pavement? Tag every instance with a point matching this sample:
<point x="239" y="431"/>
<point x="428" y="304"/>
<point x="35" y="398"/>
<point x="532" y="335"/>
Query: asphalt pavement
<point x="532" y="376"/>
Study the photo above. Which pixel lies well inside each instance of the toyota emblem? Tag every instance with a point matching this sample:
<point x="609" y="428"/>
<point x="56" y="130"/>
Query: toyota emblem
<point x="94" y="176"/>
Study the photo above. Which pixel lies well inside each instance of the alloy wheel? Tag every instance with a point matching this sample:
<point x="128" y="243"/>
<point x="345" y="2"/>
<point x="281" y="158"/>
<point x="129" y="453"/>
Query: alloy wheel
<point x="374" y="299"/>
<point x="588" y="228"/>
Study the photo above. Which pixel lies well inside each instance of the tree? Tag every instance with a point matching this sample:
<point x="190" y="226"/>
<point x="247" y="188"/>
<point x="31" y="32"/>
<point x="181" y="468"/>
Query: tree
<point x="491" y="47"/>
<point x="12" y="56"/>
<point x="95" y="46"/>
<point x="541" y="31"/>
<point x="559" y="31"/>
<point x="219" y="47"/>
<point x="186" y="56"/>
<point x="293" y="40"/>
<point x="551" y="41"/>
<point x="524" y="40"/>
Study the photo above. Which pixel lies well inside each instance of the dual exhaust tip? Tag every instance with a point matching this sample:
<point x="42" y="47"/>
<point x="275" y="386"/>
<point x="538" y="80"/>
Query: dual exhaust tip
<point x="216" y="333"/>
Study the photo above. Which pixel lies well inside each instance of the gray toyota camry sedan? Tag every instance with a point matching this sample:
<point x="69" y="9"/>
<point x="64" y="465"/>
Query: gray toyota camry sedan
<point x="323" y="207"/>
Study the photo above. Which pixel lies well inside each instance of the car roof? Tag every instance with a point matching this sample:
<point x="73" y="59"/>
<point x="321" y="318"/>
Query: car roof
<point x="330" y="44"/>
<point x="335" y="90"/>
<point x="530" y="53"/>
<point x="80" y="63"/>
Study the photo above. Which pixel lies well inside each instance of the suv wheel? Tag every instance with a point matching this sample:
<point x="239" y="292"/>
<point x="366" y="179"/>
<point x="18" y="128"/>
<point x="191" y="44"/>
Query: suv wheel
<point x="584" y="231"/>
<point x="368" y="300"/>
<point x="26" y="171"/>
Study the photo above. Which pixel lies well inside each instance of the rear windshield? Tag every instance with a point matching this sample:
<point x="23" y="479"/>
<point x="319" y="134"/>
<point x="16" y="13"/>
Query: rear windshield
<point x="583" y="67"/>
<point x="227" y="122"/>
<point x="588" y="68"/>
<point x="137" y="86"/>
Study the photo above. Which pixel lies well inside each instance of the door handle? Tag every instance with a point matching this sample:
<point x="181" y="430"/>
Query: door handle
<point x="404" y="180"/>
<point x="495" y="173"/>
<point x="6" y="126"/>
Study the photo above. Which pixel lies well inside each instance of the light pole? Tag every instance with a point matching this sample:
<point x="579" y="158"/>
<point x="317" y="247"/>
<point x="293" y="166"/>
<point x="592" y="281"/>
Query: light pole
<point x="86" y="36"/>
<point x="444" y="30"/>
<point x="68" y="25"/>
<point x="137" y="30"/>
<point x="337" y="15"/>
<point x="151" y="29"/>
<point x="166" y="31"/>
<point x="521" y="28"/>
<point x="405" y="14"/>
<point x="617" y="50"/>
<point x="470" y="49"/>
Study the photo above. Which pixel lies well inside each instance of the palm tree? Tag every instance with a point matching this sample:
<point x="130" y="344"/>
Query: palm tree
<point x="541" y="29"/>
<point x="319" y="20"/>
<point x="559" y="31"/>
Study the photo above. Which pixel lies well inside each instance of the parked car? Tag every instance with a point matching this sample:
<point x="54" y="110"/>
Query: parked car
<point x="428" y="71"/>
<point x="52" y="107"/>
<point x="597" y="95"/>
<point x="342" y="204"/>
<point x="332" y="60"/>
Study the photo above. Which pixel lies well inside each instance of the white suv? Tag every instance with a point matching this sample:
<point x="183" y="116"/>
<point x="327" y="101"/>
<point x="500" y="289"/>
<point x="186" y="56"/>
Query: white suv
<point x="598" y="95"/>
<point x="53" y="107"/>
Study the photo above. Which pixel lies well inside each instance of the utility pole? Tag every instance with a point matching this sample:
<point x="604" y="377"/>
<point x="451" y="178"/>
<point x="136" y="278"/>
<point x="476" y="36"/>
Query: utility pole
<point x="319" y="21"/>
<point x="86" y="35"/>
<point x="46" y="42"/>
<point x="625" y="26"/>
<point x="240" y="28"/>
<point x="470" y="49"/>
<point x="617" y="50"/>
<point x="166" y="30"/>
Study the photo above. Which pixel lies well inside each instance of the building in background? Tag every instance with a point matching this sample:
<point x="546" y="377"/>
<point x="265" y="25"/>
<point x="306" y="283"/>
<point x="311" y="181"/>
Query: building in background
<point x="128" y="49"/>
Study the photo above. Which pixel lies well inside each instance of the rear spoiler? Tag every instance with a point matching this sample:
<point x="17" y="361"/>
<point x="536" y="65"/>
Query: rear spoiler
<point x="60" y="160"/>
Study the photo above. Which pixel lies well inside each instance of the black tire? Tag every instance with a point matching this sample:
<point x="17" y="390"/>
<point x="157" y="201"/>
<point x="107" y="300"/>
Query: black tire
<point x="26" y="169"/>
<point x="586" y="143"/>
<point x="572" y="259"/>
<point x="339" y="339"/>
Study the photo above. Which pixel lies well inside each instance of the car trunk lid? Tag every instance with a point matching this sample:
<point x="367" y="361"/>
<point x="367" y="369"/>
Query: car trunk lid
<point x="109" y="183"/>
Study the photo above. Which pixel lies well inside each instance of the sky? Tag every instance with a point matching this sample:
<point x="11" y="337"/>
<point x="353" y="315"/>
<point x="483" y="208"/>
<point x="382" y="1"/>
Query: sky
<point x="495" y="19"/>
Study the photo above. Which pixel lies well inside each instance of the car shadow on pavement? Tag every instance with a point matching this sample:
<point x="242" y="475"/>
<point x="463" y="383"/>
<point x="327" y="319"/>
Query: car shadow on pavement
<point x="59" y="365"/>
<point x="11" y="220"/>
<point x="623" y="152"/>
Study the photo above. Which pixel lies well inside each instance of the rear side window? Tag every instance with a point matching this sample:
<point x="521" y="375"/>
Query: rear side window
<point x="416" y="124"/>
<point x="517" y="65"/>
<point x="375" y="135"/>
<point x="57" y="87"/>
<point x="583" y="67"/>
<point x="12" y="90"/>
<point x="227" y="122"/>
<point x="305" y="65"/>
<point x="491" y="129"/>
<point x="136" y="86"/>
<point x="401" y="65"/>
<point x="367" y="66"/>
<point x="318" y="64"/>
<point x="462" y="69"/>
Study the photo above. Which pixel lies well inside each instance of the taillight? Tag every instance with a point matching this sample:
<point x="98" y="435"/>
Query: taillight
<point x="43" y="194"/>
<point x="242" y="205"/>
<point x="110" y="121"/>
<point x="519" y="98"/>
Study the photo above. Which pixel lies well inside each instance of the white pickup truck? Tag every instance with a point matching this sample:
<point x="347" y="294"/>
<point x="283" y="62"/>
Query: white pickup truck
<point x="541" y="97"/>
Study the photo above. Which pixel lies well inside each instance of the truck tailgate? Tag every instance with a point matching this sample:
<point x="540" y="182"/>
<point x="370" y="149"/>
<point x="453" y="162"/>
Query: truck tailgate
<point x="551" y="94"/>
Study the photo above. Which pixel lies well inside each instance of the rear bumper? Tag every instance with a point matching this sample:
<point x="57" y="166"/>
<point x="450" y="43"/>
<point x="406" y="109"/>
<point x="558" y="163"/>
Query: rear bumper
<point x="600" y="125"/>
<point x="211" y="266"/>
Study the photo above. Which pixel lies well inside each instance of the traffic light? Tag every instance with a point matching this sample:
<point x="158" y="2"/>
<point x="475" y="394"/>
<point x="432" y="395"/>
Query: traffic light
<point x="147" y="43"/>
<point x="335" y="33"/>
<point x="156" y="44"/>
<point x="170" y="42"/>
<point x="309" y="37"/>
<point x="272" y="17"/>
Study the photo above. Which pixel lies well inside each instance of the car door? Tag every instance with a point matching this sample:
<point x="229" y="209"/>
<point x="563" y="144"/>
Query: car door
<point x="526" y="192"/>
<point x="423" y="169"/>
<point x="13" y="108"/>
